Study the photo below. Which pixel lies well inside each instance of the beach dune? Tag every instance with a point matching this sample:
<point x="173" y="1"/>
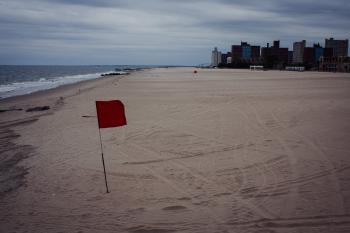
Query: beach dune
<point x="213" y="151"/>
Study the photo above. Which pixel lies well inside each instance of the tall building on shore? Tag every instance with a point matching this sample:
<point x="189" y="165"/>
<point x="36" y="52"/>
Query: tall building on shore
<point x="274" y="56"/>
<point x="255" y="51"/>
<point x="309" y="56"/>
<point x="245" y="53"/>
<point x="236" y="52"/>
<point x="290" y="57"/>
<point x="215" y="57"/>
<point x="246" y="50"/>
<point x="298" y="52"/>
<point x="319" y="52"/>
<point x="340" y="47"/>
<point x="225" y="57"/>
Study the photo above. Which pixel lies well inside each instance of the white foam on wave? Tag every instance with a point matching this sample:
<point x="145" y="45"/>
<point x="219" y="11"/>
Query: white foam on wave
<point x="22" y="88"/>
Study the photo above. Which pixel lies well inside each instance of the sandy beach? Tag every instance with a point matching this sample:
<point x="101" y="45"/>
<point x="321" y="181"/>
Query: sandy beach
<point x="217" y="151"/>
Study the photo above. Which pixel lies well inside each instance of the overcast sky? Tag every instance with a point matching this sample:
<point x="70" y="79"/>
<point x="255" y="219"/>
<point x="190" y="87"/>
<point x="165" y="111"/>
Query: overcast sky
<point x="159" y="32"/>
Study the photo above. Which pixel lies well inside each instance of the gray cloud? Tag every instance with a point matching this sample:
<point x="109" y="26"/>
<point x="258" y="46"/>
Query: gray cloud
<point x="157" y="31"/>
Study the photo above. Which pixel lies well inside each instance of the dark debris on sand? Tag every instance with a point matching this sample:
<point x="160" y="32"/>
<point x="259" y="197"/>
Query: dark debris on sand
<point x="38" y="109"/>
<point x="11" y="109"/>
<point x="12" y="175"/>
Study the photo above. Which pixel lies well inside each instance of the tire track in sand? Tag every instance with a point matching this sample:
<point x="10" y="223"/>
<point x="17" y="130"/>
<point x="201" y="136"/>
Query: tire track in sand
<point x="261" y="212"/>
<point x="257" y="192"/>
<point x="322" y="157"/>
<point x="247" y="124"/>
<point x="176" y="187"/>
<point x="293" y="190"/>
<point x="260" y="191"/>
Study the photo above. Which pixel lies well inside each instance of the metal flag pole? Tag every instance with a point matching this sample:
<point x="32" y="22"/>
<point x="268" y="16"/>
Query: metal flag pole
<point x="103" y="160"/>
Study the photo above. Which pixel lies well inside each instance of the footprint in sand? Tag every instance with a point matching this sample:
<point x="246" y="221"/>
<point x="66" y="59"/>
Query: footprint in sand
<point x="149" y="230"/>
<point x="174" y="207"/>
<point x="96" y="198"/>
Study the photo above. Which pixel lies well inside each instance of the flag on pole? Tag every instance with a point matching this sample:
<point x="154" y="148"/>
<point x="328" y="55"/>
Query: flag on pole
<point x="110" y="113"/>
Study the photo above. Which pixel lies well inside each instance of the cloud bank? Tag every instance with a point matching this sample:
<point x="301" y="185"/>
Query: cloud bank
<point x="161" y="32"/>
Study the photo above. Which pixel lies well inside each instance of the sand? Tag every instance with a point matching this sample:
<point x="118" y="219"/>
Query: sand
<point x="216" y="151"/>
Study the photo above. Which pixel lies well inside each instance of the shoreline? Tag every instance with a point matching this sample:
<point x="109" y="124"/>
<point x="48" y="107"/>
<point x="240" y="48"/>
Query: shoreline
<point x="52" y="97"/>
<point x="55" y="89"/>
<point x="46" y="91"/>
<point x="12" y="175"/>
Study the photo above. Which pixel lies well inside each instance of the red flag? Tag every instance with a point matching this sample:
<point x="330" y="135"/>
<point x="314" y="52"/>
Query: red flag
<point x="110" y="113"/>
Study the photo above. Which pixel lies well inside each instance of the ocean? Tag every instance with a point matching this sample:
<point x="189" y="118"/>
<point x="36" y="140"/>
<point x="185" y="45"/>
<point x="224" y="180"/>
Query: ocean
<point x="19" y="80"/>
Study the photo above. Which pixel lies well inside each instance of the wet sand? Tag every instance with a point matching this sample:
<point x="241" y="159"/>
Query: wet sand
<point x="217" y="151"/>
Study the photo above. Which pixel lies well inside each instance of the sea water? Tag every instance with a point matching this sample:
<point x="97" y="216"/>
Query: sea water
<point x="21" y="80"/>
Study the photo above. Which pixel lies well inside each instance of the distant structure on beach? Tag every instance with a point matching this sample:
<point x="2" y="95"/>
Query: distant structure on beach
<point x="274" y="56"/>
<point x="333" y="57"/>
<point x="319" y="51"/>
<point x="244" y="55"/>
<point x="215" y="57"/>
<point x="340" y="47"/>
<point x="335" y="64"/>
<point x="226" y="58"/>
<point x="298" y="51"/>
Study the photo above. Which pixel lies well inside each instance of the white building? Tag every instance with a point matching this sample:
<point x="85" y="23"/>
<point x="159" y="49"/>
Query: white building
<point x="298" y="52"/>
<point x="215" y="57"/>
